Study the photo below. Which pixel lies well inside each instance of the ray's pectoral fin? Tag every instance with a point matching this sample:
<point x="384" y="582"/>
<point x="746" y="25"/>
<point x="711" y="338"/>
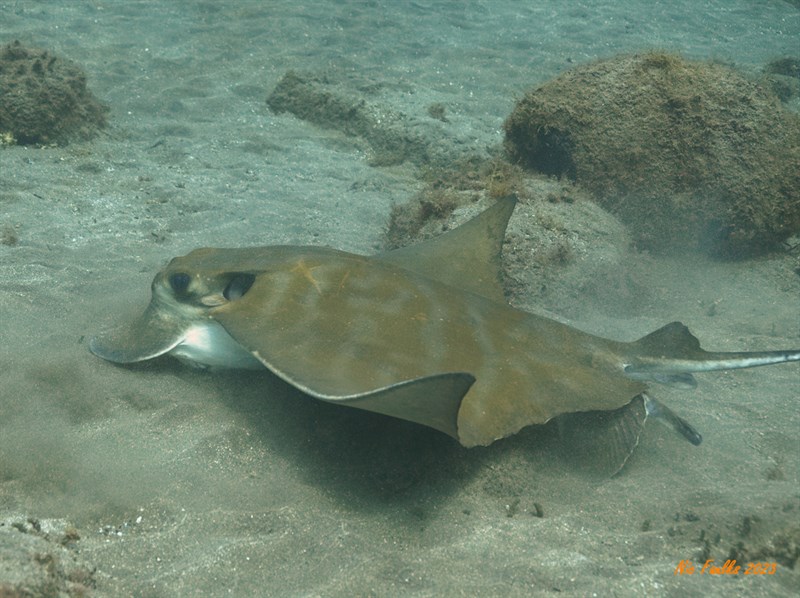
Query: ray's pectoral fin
<point x="433" y="401"/>
<point x="471" y="253"/>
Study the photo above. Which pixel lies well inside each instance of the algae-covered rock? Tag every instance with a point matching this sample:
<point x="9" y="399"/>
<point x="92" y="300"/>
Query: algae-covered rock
<point x="351" y="105"/>
<point x="44" y="98"/>
<point x="688" y="154"/>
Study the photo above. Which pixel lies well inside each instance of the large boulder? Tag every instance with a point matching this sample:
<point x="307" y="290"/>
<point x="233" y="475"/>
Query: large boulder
<point x="688" y="154"/>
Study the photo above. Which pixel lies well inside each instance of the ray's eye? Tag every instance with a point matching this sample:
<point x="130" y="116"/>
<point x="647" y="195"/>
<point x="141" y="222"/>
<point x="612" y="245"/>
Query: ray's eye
<point x="180" y="282"/>
<point x="238" y="286"/>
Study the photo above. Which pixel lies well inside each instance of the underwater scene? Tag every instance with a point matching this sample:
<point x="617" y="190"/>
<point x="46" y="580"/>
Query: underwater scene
<point x="399" y="298"/>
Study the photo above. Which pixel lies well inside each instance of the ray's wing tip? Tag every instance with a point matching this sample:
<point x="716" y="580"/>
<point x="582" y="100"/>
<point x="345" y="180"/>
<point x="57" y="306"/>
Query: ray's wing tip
<point x="123" y="348"/>
<point x="100" y="346"/>
<point x="103" y="352"/>
<point x="94" y="345"/>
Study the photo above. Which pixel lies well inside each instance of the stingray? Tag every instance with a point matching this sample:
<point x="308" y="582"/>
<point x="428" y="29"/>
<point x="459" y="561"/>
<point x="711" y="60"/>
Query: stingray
<point x="421" y="333"/>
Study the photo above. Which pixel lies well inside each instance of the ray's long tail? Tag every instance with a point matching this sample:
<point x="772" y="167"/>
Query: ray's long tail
<point x="671" y="354"/>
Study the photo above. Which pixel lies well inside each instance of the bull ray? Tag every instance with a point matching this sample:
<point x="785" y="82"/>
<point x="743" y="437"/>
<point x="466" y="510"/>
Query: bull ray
<point x="421" y="333"/>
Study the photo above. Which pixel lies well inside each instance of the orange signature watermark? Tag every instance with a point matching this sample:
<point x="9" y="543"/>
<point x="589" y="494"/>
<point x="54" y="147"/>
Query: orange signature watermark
<point x="687" y="567"/>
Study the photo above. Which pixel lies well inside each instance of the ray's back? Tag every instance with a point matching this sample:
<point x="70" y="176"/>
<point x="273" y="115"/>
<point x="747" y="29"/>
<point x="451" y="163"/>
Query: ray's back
<point x="344" y="324"/>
